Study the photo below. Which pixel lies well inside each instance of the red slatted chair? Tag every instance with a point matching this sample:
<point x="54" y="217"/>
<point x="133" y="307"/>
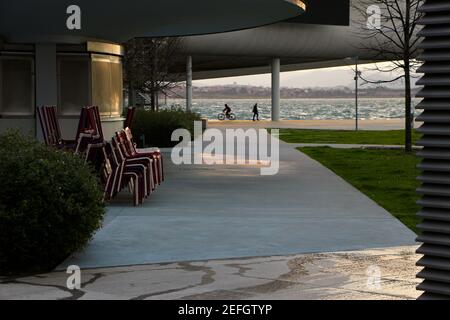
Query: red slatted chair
<point x="90" y="139"/>
<point x="124" y="145"/>
<point x="143" y="161"/>
<point x="126" y="138"/>
<point x="141" y="167"/>
<point x="51" y="129"/>
<point x="116" y="171"/>
<point x="110" y="172"/>
<point x="96" y="141"/>
<point x="52" y="132"/>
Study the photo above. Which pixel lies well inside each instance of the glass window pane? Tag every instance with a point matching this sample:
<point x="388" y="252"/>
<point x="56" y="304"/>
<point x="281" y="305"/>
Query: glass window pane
<point x="74" y="87"/>
<point x="117" y="89"/>
<point x="101" y="84"/>
<point x="107" y="85"/>
<point x="16" y="86"/>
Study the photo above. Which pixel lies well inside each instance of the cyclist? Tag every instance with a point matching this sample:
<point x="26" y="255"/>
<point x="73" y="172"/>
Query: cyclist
<point x="227" y="111"/>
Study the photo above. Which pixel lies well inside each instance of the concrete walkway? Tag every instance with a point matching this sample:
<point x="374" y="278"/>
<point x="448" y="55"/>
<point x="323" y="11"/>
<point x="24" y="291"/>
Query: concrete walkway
<point x="230" y="211"/>
<point x="375" y="274"/>
<point x="352" y="146"/>
<point x="380" y="124"/>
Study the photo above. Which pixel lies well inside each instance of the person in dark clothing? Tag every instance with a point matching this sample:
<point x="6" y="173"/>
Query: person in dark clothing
<point x="255" y="112"/>
<point x="227" y="110"/>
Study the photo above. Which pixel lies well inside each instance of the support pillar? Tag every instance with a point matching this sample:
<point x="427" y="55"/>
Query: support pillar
<point x="276" y="89"/>
<point x="46" y="79"/>
<point x="189" y="83"/>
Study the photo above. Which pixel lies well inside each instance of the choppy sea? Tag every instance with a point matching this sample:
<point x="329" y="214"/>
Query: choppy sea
<point x="303" y="109"/>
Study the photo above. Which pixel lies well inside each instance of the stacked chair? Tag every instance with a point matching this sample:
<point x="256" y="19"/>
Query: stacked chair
<point x="51" y="129"/>
<point x="129" y="147"/>
<point x="117" y="173"/>
<point x="89" y="136"/>
<point x="90" y="139"/>
<point x="119" y="163"/>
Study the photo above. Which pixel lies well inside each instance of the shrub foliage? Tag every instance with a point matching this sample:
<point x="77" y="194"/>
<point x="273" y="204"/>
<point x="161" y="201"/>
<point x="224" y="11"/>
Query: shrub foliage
<point x="155" y="128"/>
<point x="50" y="205"/>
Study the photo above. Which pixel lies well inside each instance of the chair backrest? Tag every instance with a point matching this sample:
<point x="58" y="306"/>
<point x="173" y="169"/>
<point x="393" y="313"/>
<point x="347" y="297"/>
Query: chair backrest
<point x="49" y="125"/>
<point x="111" y="170"/>
<point x="82" y="122"/>
<point x="130" y="117"/>
<point x="129" y="134"/>
<point x="56" y="129"/>
<point x="90" y="122"/>
<point x="118" y="149"/>
<point x="43" y="121"/>
<point x="98" y="121"/>
<point x="127" y="146"/>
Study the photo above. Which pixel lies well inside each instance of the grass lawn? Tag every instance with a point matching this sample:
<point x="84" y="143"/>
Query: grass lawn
<point x="390" y="137"/>
<point x="386" y="176"/>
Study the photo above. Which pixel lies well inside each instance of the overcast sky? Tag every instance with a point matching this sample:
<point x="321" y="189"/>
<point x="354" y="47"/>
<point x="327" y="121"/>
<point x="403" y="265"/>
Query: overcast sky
<point x="329" y="77"/>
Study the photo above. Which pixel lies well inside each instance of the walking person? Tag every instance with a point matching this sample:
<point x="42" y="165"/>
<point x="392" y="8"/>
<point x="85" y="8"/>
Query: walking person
<point x="255" y="112"/>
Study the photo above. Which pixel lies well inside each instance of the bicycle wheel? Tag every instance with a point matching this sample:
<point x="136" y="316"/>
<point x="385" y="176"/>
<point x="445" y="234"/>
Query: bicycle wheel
<point x="232" y="116"/>
<point x="221" y="116"/>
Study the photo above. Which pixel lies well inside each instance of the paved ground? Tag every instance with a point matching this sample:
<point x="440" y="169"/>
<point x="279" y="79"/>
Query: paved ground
<point x="371" y="274"/>
<point x="231" y="211"/>
<point x="390" y="124"/>
<point x="225" y="232"/>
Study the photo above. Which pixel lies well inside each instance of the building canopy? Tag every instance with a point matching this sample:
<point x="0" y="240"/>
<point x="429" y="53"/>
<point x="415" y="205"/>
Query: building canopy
<point x="119" y="21"/>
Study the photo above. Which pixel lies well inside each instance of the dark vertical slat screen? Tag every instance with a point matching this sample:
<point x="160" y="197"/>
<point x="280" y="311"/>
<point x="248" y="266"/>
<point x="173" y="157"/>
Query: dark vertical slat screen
<point x="435" y="166"/>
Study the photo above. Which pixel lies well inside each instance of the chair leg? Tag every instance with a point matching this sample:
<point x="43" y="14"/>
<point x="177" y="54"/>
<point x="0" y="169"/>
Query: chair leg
<point x="136" y="192"/>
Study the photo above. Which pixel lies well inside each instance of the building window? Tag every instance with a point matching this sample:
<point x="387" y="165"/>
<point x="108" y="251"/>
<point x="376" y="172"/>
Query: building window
<point x="16" y="86"/>
<point x="107" y="86"/>
<point x="73" y="84"/>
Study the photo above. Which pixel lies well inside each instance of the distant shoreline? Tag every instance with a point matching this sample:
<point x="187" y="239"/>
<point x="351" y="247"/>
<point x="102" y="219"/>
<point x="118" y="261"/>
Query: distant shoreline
<point x="256" y="92"/>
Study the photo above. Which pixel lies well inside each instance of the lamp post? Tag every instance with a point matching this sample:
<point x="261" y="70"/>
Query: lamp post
<point x="356" y="78"/>
<point x="357" y="75"/>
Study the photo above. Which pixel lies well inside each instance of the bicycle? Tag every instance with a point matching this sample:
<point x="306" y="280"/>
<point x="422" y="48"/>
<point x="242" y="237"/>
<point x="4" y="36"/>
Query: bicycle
<point x="222" y="116"/>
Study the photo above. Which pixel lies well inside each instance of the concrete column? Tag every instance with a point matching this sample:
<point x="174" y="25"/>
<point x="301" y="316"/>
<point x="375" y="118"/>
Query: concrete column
<point x="46" y="79"/>
<point x="276" y="89"/>
<point x="189" y="83"/>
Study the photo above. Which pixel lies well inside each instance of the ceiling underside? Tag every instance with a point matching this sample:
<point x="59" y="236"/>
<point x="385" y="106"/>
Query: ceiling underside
<point x="219" y="67"/>
<point x="119" y="21"/>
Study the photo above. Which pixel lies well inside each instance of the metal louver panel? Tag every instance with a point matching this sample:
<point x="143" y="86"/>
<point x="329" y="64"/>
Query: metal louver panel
<point x="430" y="55"/>
<point x="433" y="19"/>
<point x="435" y="30"/>
<point x="436" y="117"/>
<point x="434" y="104"/>
<point x="434" y="92"/>
<point x="434" y="68"/>
<point x="434" y="214"/>
<point x="435" y="166"/>
<point x="434" y="80"/>
<point x="435" y="6"/>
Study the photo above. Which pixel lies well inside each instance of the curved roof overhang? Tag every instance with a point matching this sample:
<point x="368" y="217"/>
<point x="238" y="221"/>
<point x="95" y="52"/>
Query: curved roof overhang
<point x="119" y="21"/>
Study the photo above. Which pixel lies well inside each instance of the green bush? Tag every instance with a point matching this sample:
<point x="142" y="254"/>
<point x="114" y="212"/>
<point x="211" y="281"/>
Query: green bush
<point x="155" y="128"/>
<point x="50" y="205"/>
